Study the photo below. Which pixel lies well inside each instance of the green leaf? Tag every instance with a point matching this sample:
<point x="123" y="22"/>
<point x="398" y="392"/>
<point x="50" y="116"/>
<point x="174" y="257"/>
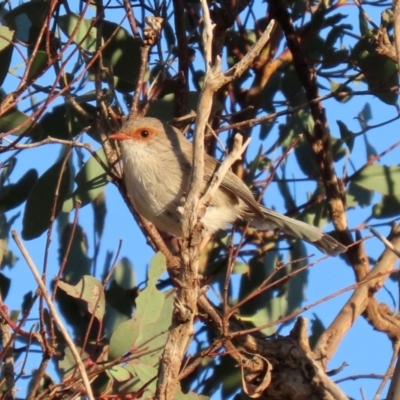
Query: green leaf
<point x="381" y="178"/>
<point x="67" y="364"/>
<point x="38" y="64"/>
<point x="91" y="180"/>
<point x="150" y="300"/>
<point x="154" y="336"/>
<point x="84" y="34"/>
<point x="145" y="373"/>
<point x="14" y="118"/>
<point x="89" y="290"/>
<point x="40" y="202"/>
<point x="294" y="125"/>
<point x="123" y="339"/>
<point x="6" y="50"/>
<point x="6" y="37"/>
<point x="14" y="194"/>
<point x="158" y="265"/>
<point x="152" y="316"/>
<point x="340" y="98"/>
<point x="364" y="28"/>
<point x="119" y="373"/>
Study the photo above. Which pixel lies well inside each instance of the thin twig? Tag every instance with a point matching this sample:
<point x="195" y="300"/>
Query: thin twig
<point x="54" y="314"/>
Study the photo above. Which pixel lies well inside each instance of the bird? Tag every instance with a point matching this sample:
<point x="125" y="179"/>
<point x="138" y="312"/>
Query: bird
<point x="157" y="162"/>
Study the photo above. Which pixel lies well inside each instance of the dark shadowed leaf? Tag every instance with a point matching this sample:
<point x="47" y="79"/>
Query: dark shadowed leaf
<point x="388" y="207"/>
<point x="40" y="202"/>
<point x="4" y="285"/>
<point x="14" y="194"/>
<point x="346" y="135"/>
<point x="62" y="122"/>
<point x="294" y="125"/>
<point x="317" y="329"/>
<point x="365" y="115"/>
<point x="306" y="159"/>
<point x="120" y="296"/>
<point x="78" y="263"/>
<point x="123" y="54"/>
<point x="100" y="211"/>
<point x="27" y="20"/>
<point x="18" y="122"/>
<point x="295" y="290"/>
<point x="379" y="71"/>
<point x="164" y="109"/>
<point x="357" y="196"/>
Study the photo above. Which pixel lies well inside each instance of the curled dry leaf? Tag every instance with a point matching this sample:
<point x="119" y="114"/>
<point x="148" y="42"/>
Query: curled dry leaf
<point x="255" y="389"/>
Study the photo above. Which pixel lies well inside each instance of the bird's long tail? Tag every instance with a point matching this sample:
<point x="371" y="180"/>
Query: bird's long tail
<point x="301" y="230"/>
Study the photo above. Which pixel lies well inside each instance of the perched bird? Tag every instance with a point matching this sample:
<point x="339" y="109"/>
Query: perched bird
<point x="157" y="162"/>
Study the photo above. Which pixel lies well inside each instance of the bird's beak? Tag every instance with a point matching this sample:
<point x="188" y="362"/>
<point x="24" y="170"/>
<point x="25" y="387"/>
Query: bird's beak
<point x="119" y="136"/>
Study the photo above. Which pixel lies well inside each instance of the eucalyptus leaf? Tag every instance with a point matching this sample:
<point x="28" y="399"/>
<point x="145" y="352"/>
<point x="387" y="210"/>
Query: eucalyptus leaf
<point x="6" y="50"/>
<point x="41" y="200"/>
<point x="91" y="180"/>
<point x="381" y="178"/>
<point x="14" y="194"/>
<point x="18" y="122"/>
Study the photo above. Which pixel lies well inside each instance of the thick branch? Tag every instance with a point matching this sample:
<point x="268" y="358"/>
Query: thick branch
<point x="360" y="302"/>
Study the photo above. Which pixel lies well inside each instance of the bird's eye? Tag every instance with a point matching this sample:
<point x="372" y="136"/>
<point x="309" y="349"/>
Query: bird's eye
<point x="144" y="133"/>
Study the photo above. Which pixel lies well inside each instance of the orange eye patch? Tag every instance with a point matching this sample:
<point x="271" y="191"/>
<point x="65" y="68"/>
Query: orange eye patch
<point x="138" y="134"/>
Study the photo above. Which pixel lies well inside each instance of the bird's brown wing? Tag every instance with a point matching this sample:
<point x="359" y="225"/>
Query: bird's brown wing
<point x="232" y="185"/>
